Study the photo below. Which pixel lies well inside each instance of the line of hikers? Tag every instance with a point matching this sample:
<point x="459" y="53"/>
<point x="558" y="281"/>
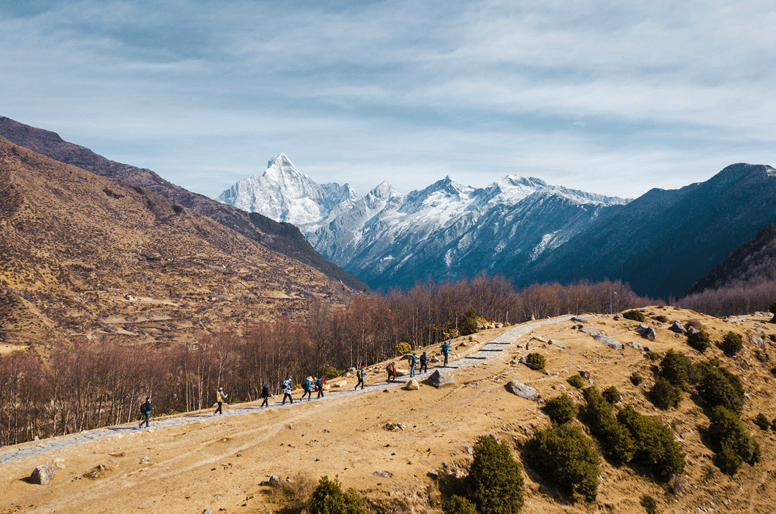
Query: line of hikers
<point x="310" y="385"/>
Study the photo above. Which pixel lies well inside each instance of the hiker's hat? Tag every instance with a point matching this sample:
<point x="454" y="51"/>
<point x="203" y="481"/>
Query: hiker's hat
<point x="220" y="388"/>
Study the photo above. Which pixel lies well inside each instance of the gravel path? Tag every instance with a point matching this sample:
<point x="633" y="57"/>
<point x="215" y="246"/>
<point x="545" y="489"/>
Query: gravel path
<point x="490" y="349"/>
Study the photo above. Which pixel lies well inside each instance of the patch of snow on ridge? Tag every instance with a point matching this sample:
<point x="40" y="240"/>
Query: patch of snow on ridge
<point x="542" y="246"/>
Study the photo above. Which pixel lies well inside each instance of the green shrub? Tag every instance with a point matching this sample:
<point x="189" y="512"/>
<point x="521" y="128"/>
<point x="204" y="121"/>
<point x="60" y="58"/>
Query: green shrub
<point x="634" y="315"/>
<point x="661" y="318"/>
<point x="636" y="379"/>
<point x="730" y="440"/>
<point x="676" y="368"/>
<point x="761" y="421"/>
<point x="468" y="324"/>
<point x="328" y="372"/>
<point x="495" y="482"/>
<point x="731" y="344"/>
<point x="458" y="505"/>
<point x="565" y="458"/>
<point x="536" y="360"/>
<point x="649" y="504"/>
<point x="576" y="381"/>
<point x="561" y="409"/>
<point x="699" y="341"/>
<point x="720" y="387"/>
<point x="403" y="348"/>
<point x="328" y="498"/>
<point x="653" y="356"/>
<point x="611" y="395"/>
<point x="615" y="439"/>
<point x="664" y="395"/>
<point x="656" y="447"/>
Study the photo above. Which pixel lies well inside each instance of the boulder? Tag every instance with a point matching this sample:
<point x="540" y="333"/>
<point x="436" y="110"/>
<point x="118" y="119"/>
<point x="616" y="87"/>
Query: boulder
<point x="580" y="319"/>
<point x="678" y="328"/>
<point x="43" y="474"/>
<point x="649" y="334"/>
<point x="441" y="379"/>
<point x="339" y="383"/>
<point x="592" y="331"/>
<point x="523" y="391"/>
<point x="558" y="343"/>
<point x="637" y="346"/>
<point x="351" y="371"/>
<point x="412" y="385"/>
<point x="401" y="372"/>
<point x="758" y="341"/>
<point x="584" y="374"/>
<point x="610" y="342"/>
<point x="692" y="330"/>
<point x="276" y="482"/>
<point x="618" y="316"/>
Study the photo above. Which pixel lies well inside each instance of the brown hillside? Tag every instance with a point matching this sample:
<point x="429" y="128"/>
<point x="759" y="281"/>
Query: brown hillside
<point x="86" y="255"/>
<point x="218" y="463"/>
<point x="281" y="237"/>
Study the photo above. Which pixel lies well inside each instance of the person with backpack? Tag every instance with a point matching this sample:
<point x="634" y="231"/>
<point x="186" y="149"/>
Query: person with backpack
<point x="423" y="362"/>
<point x="287" y="388"/>
<point x="220" y="399"/>
<point x="413" y="363"/>
<point x="446" y="351"/>
<point x="265" y="395"/>
<point x="307" y="386"/>
<point x="319" y="383"/>
<point x="145" y="410"/>
<point x="360" y="374"/>
<point x="391" y="369"/>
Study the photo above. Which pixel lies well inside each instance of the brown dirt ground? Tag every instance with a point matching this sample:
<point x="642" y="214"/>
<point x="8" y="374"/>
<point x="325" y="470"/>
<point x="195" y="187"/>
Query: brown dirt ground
<point x="218" y="463"/>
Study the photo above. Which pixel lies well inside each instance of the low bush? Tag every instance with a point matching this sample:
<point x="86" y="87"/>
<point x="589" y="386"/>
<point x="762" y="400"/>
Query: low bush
<point x="720" y="387"/>
<point x="468" y="324"/>
<point x="661" y="318"/>
<point x="699" y="341"/>
<point x="495" y="481"/>
<point x="565" y="458"/>
<point x="653" y="356"/>
<point x="694" y="323"/>
<point x="458" y="505"/>
<point x="731" y="344"/>
<point x="656" y="446"/>
<point x="636" y="379"/>
<point x="576" y="381"/>
<point x="731" y="442"/>
<point x="328" y="498"/>
<point x="561" y="409"/>
<point x="615" y="439"/>
<point x="611" y="395"/>
<point x="649" y="504"/>
<point x="664" y="395"/>
<point x="677" y="369"/>
<point x="536" y="361"/>
<point x="403" y="348"/>
<point x="328" y="372"/>
<point x="761" y="421"/>
<point x="634" y="315"/>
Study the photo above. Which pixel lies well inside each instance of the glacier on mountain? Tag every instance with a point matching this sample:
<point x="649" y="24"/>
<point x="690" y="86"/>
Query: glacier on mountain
<point x="445" y="231"/>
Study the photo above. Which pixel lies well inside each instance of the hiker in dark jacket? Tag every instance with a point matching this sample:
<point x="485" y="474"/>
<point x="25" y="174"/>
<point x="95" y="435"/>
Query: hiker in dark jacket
<point x="360" y="374"/>
<point x="423" y="362"/>
<point x="391" y="369"/>
<point x="446" y="351"/>
<point x="413" y="363"/>
<point x="145" y="410"/>
<point x="220" y="399"/>
<point x="319" y="382"/>
<point x="287" y="388"/>
<point x="265" y="395"/>
<point x="307" y="385"/>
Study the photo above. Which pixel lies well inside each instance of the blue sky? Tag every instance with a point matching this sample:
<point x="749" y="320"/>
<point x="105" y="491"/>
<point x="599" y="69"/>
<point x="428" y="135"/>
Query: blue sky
<point x="611" y="97"/>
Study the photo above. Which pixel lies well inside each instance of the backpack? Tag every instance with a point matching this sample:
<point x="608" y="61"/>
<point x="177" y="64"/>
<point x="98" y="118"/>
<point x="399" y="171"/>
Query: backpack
<point x="144" y="408"/>
<point x="306" y="385"/>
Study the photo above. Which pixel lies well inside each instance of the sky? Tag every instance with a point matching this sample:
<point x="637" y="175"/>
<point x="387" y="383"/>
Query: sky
<point x="610" y="97"/>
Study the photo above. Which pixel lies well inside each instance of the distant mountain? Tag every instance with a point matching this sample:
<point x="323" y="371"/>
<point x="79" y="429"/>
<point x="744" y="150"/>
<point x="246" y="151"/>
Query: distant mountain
<point x="664" y="241"/>
<point x="447" y="230"/>
<point x="84" y="255"/>
<point x="280" y="237"/>
<point x="754" y="262"/>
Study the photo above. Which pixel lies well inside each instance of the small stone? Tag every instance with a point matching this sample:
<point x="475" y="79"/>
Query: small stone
<point x="43" y="474"/>
<point x="144" y="460"/>
<point x="433" y="474"/>
<point x="468" y="449"/>
<point x="207" y="511"/>
<point x="412" y="385"/>
<point x="384" y="474"/>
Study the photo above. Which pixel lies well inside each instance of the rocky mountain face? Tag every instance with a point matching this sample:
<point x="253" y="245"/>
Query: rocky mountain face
<point x="664" y="241"/>
<point x="85" y="255"/>
<point x="281" y="237"/>
<point x="447" y="230"/>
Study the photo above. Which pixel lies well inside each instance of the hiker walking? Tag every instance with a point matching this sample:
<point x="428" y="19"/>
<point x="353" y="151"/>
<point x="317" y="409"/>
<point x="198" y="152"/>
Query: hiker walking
<point x="145" y="410"/>
<point x="391" y="369"/>
<point x="287" y="391"/>
<point x="446" y="351"/>
<point x="319" y="383"/>
<point x="307" y="385"/>
<point x="423" y="362"/>
<point x="413" y="363"/>
<point x="220" y="399"/>
<point x="360" y="374"/>
<point x="265" y="395"/>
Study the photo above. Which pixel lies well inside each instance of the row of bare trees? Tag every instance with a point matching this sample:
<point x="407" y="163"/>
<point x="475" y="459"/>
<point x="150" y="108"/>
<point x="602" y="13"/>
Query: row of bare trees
<point x="83" y="384"/>
<point x="732" y="299"/>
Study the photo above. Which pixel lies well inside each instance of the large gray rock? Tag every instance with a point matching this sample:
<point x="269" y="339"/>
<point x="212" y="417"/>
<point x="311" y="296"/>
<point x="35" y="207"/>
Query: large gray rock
<point x="43" y="474"/>
<point x="609" y="341"/>
<point x="758" y="341"/>
<point x="647" y="332"/>
<point x="524" y="391"/>
<point x="440" y="379"/>
<point x="618" y="316"/>
<point x="580" y="319"/>
<point x="558" y="343"/>
<point x="637" y="346"/>
<point x="592" y="331"/>
<point x="678" y="328"/>
<point x="692" y="330"/>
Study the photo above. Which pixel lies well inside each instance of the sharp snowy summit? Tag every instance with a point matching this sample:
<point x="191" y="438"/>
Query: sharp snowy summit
<point x="447" y="230"/>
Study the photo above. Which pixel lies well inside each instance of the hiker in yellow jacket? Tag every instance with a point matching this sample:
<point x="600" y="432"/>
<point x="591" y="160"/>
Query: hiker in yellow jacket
<point x="220" y="399"/>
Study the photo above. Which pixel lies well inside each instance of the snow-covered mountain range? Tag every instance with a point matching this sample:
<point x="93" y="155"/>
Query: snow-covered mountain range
<point x="446" y="230"/>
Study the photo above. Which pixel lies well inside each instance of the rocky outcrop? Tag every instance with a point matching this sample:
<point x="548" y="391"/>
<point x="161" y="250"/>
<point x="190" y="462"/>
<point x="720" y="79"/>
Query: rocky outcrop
<point x="524" y="391"/>
<point x="441" y="379"/>
<point x="609" y="341"/>
<point x="678" y="328"/>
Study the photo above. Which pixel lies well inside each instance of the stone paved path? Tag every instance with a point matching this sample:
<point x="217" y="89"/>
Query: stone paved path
<point x="490" y="349"/>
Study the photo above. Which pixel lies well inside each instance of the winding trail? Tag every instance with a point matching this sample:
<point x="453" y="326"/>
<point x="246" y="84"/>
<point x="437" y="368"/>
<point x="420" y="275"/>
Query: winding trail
<point x="488" y="350"/>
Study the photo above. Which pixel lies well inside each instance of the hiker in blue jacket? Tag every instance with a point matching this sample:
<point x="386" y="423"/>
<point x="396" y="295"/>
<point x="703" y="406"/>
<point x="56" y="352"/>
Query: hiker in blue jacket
<point x="319" y="382"/>
<point x="413" y="363"/>
<point x="446" y="351"/>
<point x="145" y="410"/>
<point x="360" y="374"/>
<point x="307" y="386"/>
<point x="423" y="362"/>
